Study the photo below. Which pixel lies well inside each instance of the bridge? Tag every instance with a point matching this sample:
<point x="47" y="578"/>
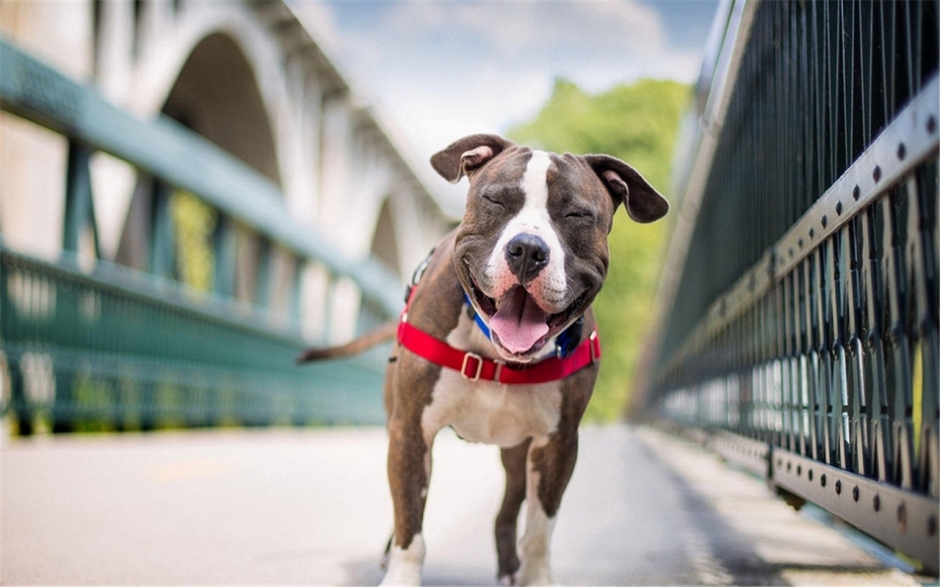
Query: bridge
<point x="169" y="280"/>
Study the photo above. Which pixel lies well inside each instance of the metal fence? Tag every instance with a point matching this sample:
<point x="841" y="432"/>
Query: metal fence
<point x="800" y="329"/>
<point x="91" y="345"/>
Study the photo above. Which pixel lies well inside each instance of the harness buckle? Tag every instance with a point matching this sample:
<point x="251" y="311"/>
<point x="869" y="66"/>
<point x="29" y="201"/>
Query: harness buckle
<point x="466" y="363"/>
<point x="595" y="346"/>
<point x="499" y="370"/>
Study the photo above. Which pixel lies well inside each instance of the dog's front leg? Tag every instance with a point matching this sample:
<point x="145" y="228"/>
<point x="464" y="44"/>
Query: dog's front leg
<point x="409" y="468"/>
<point x="514" y="462"/>
<point x="550" y="465"/>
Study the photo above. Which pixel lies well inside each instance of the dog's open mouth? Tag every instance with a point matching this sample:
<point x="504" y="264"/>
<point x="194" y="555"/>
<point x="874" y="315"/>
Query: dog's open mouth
<point x="516" y="321"/>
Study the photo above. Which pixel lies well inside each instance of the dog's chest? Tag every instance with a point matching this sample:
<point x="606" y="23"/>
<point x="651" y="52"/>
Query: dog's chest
<point x="488" y="412"/>
<point x="491" y="413"/>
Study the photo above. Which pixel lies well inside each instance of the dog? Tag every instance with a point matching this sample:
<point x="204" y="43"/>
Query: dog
<point x="498" y="339"/>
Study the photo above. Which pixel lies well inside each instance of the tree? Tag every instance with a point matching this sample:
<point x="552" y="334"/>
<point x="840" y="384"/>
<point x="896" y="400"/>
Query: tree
<point x="637" y="123"/>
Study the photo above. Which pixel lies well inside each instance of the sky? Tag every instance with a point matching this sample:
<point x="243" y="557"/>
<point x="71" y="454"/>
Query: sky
<point x="442" y="69"/>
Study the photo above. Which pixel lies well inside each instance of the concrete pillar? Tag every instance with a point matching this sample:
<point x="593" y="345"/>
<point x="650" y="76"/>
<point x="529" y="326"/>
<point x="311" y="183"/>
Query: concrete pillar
<point x="115" y="57"/>
<point x="311" y="137"/>
<point x="335" y="170"/>
<point x="293" y="144"/>
<point x="156" y="20"/>
<point x="314" y="300"/>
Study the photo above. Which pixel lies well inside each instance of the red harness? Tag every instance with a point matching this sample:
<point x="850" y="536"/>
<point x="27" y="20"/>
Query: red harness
<point x="477" y="368"/>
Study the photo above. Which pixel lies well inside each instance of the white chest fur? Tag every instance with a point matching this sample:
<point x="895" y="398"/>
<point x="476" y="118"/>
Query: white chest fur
<point x="488" y="412"/>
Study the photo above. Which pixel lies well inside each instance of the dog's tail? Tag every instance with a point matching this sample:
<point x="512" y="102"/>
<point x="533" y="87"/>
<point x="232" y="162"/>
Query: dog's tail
<point x="380" y="334"/>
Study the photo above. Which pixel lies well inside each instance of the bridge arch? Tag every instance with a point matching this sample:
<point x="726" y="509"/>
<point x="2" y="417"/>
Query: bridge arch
<point x="216" y="94"/>
<point x="230" y="70"/>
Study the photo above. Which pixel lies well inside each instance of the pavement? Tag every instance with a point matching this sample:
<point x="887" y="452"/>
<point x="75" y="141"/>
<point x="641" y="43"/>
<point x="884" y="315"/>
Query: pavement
<point x="311" y="506"/>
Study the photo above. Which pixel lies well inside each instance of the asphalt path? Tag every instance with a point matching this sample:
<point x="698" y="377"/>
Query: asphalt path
<point x="311" y="507"/>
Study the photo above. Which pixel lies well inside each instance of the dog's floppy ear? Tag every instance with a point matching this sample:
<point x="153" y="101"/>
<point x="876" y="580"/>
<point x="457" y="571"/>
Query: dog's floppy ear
<point x="642" y="201"/>
<point x="466" y="155"/>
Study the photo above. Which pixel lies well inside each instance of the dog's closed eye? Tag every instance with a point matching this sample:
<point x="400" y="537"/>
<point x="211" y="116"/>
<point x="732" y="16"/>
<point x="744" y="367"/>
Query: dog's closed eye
<point x="494" y="201"/>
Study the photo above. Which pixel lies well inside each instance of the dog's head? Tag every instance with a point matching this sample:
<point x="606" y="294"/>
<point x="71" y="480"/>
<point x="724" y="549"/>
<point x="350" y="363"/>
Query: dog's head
<point x="531" y="251"/>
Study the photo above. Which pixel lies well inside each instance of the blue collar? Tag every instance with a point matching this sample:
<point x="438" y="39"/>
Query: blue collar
<point x="477" y="318"/>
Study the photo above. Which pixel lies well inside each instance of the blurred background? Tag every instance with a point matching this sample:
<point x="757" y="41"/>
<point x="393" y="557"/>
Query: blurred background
<point x="193" y="191"/>
<point x="329" y="111"/>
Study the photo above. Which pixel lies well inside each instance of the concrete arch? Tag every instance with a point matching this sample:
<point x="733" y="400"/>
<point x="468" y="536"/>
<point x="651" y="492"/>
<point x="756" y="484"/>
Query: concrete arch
<point x="342" y="166"/>
<point x="216" y="94"/>
<point x="169" y="46"/>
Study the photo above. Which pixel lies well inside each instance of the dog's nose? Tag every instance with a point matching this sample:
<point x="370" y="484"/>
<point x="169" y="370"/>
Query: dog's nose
<point x="526" y="255"/>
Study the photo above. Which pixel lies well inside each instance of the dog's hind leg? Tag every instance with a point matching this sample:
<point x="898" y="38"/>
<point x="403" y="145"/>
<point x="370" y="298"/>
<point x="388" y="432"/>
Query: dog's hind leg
<point x="550" y="464"/>
<point x="514" y="462"/>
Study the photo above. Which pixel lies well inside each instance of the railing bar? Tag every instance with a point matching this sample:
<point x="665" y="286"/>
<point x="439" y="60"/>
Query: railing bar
<point x="891" y="73"/>
<point x="920" y="143"/>
<point x="848" y="70"/>
<point x="913" y="54"/>
<point x="129" y="284"/>
<point x="172" y="153"/>
<point x="867" y="64"/>
<point x="830" y="71"/>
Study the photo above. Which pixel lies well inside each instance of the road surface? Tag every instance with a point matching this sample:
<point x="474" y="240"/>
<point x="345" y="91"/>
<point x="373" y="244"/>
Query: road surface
<point x="311" y="507"/>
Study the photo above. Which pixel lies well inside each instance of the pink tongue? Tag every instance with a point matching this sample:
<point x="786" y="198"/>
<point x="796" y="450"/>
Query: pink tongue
<point x="519" y="323"/>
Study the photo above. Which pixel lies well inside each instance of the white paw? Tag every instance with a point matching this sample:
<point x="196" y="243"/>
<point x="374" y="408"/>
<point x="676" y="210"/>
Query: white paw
<point x="404" y="565"/>
<point x="535" y="574"/>
<point x="401" y="577"/>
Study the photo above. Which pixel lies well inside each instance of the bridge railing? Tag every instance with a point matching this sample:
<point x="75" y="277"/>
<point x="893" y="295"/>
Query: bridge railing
<point x="800" y="331"/>
<point x="89" y="344"/>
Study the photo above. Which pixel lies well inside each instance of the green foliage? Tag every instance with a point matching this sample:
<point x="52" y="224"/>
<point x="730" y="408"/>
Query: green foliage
<point x="194" y="222"/>
<point x="638" y="123"/>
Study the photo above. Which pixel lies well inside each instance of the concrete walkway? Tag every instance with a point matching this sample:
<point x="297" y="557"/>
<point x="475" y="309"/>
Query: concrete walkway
<point x="312" y="507"/>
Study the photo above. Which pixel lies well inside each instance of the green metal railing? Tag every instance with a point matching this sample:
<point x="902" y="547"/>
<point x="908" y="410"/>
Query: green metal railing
<point x="801" y="337"/>
<point x="94" y="345"/>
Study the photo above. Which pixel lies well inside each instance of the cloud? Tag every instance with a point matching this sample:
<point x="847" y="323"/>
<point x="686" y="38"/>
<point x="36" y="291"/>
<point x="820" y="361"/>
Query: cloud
<point x="525" y="28"/>
<point x="438" y="113"/>
<point x="443" y="69"/>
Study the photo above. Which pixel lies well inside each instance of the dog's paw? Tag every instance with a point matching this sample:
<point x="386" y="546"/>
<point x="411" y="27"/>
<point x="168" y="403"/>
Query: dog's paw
<point x="404" y="565"/>
<point x="509" y="580"/>
<point x="538" y="574"/>
<point x="410" y="577"/>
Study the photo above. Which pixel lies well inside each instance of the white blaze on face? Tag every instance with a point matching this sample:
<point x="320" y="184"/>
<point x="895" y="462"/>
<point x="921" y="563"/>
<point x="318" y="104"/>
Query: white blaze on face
<point x="549" y="287"/>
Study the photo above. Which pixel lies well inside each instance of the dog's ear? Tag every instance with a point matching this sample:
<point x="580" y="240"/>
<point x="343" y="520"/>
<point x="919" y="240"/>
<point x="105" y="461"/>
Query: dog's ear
<point x="467" y="155"/>
<point x="642" y="201"/>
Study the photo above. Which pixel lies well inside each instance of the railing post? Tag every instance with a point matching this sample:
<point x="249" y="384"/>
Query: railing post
<point x="79" y="204"/>
<point x="263" y="274"/>
<point x="22" y="411"/>
<point x="225" y="242"/>
<point x="79" y="219"/>
<point x="162" y="252"/>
